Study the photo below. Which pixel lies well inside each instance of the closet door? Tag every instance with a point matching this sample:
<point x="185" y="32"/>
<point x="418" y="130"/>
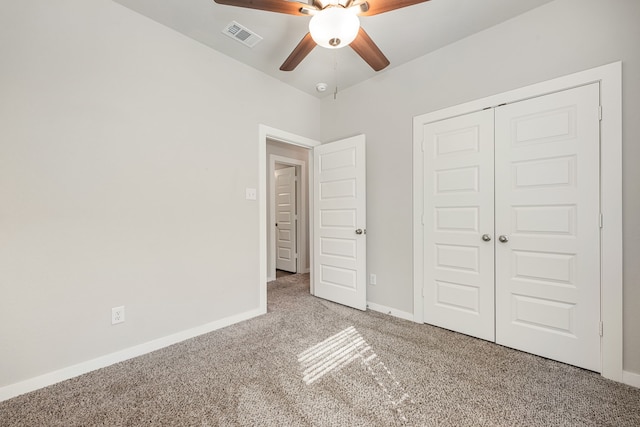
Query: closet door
<point x="547" y="226"/>
<point x="458" y="211"/>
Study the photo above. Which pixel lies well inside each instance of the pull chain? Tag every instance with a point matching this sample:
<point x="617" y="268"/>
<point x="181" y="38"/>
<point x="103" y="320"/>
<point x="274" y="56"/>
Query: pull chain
<point x="335" y="74"/>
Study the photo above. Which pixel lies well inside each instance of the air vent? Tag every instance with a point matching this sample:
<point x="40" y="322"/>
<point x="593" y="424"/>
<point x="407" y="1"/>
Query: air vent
<point x="242" y="34"/>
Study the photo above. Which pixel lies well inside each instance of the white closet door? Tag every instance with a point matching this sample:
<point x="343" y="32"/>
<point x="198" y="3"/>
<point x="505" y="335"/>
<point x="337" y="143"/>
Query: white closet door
<point x="547" y="206"/>
<point x="458" y="211"/>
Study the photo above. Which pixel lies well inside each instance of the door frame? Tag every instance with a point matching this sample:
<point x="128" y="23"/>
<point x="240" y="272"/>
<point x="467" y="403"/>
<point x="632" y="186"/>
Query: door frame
<point x="611" y="284"/>
<point x="265" y="133"/>
<point x="301" y="192"/>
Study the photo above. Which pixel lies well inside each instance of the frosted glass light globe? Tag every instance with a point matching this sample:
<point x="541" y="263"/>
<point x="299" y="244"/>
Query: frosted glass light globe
<point x="334" y="27"/>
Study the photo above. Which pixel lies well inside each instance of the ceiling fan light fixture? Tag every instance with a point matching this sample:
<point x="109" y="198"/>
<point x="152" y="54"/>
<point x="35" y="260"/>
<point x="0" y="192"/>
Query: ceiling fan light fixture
<point x="334" y="27"/>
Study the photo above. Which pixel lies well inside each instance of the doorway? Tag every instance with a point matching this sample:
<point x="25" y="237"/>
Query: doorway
<point x="338" y="194"/>
<point x="288" y="140"/>
<point x="287" y="208"/>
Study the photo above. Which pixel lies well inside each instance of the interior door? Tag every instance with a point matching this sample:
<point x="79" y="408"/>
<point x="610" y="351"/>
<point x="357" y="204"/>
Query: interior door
<point x="458" y="224"/>
<point x="339" y="222"/>
<point x="547" y="222"/>
<point x="286" y="253"/>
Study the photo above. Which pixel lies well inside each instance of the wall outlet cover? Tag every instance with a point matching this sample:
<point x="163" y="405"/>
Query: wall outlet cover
<point x="251" y="194"/>
<point x="117" y="315"/>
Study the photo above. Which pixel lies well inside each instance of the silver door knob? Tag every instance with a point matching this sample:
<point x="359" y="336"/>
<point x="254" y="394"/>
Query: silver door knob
<point x="486" y="237"/>
<point x="359" y="231"/>
<point x="503" y="238"/>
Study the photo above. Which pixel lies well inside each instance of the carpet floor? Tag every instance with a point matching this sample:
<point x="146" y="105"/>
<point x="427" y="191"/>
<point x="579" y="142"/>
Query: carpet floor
<point x="310" y="362"/>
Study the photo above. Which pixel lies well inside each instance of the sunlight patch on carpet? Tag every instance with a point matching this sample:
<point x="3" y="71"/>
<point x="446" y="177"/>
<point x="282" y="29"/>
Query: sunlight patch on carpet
<point x="338" y="351"/>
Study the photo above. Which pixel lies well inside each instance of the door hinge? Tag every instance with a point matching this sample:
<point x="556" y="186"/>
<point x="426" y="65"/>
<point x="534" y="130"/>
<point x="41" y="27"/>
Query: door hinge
<point x="599" y="112"/>
<point x="601" y="221"/>
<point x="422" y="145"/>
<point x="601" y="329"/>
<point x="422" y="219"/>
<point x="423" y="292"/>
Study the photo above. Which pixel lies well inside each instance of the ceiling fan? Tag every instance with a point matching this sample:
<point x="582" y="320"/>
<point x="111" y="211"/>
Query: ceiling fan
<point x="334" y="24"/>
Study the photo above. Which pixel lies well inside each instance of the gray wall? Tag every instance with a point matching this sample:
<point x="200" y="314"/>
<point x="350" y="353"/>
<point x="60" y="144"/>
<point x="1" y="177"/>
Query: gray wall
<point x="125" y="151"/>
<point x="559" y="38"/>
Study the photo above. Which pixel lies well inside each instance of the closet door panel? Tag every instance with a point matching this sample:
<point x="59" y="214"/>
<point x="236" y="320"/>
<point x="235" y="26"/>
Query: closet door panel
<point x="547" y="209"/>
<point x="458" y="211"/>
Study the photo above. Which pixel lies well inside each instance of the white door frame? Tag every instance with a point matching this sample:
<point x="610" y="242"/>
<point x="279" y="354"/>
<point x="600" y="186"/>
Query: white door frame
<point x="301" y="192"/>
<point x="265" y="133"/>
<point x="610" y="79"/>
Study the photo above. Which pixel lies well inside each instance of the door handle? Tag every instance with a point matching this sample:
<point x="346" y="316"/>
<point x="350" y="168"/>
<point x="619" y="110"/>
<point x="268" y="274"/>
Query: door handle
<point x="361" y="231"/>
<point x="503" y="238"/>
<point x="486" y="237"/>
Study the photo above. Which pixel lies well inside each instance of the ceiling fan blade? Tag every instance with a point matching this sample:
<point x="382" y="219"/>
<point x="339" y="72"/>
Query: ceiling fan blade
<point x="300" y="52"/>
<point x="279" y="6"/>
<point x="369" y="51"/>
<point x="380" y="6"/>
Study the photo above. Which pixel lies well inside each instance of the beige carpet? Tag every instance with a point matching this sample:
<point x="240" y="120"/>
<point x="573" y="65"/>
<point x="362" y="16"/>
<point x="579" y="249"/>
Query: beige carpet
<point x="309" y="362"/>
<point x="282" y="273"/>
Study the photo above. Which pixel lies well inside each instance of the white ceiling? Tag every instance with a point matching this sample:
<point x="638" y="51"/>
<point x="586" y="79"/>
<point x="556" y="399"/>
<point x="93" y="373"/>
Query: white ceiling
<point x="402" y="35"/>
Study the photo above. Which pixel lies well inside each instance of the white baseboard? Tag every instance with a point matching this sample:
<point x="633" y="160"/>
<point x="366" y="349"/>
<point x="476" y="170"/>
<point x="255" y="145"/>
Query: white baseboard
<point x="631" y="379"/>
<point x="391" y="311"/>
<point x="270" y="279"/>
<point x="13" y="390"/>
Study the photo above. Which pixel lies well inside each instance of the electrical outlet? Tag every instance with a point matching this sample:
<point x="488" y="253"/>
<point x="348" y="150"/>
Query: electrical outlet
<point x="251" y="193"/>
<point x="117" y="315"/>
<point x="372" y="279"/>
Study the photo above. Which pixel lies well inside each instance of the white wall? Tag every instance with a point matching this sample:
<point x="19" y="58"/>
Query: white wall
<point x="125" y="150"/>
<point x="298" y="153"/>
<point x="559" y="38"/>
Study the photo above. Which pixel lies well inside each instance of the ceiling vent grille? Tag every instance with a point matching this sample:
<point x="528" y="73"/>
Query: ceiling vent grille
<point x="242" y="34"/>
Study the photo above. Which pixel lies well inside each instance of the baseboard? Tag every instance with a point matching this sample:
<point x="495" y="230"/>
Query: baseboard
<point x="270" y="279"/>
<point x="630" y="378"/>
<point x="391" y="311"/>
<point x="13" y="390"/>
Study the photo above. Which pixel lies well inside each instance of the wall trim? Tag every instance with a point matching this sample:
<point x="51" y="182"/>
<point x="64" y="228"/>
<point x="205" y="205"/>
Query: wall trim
<point x="631" y="378"/>
<point x="609" y="78"/>
<point x="390" y="311"/>
<point x="32" y="384"/>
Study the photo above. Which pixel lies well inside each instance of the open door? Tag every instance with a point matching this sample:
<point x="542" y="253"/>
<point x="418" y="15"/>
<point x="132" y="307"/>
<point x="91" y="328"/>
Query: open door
<point x="339" y="222"/>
